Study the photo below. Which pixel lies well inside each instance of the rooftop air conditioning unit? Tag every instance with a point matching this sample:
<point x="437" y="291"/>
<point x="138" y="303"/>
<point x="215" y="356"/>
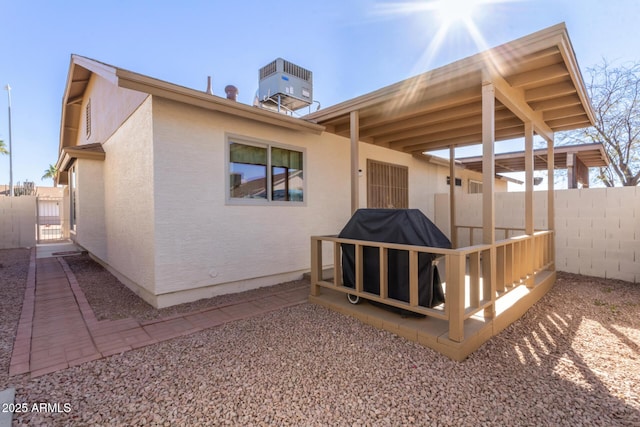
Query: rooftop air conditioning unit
<point x="283" y="84"/>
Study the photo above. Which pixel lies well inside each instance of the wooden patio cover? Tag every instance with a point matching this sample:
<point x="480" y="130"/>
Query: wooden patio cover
<point x="591" y="155"/>
<point x="536" y="79"/>
<point x="530" y="85"/>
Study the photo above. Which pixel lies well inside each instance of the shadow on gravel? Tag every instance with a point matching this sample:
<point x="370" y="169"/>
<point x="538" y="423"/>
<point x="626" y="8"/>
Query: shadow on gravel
<point x="578" y="348"/>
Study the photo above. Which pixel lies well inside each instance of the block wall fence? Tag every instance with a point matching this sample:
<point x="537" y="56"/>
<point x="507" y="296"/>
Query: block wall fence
<point x="597" y="229"/>
<point x="17" y="221"/>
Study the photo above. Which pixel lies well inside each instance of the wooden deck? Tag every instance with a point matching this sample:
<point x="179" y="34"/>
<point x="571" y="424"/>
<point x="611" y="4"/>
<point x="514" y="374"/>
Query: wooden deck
<point x="487" y="287"/>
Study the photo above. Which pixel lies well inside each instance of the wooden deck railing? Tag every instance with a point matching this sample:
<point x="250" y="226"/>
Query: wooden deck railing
<point x="469" y="287"/>
<point x="507" y="231"/>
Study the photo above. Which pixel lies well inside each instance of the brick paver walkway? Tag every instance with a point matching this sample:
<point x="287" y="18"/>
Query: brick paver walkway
<point x="58" y="328"/>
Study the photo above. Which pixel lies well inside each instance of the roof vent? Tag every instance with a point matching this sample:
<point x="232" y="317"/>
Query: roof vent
<point x="232" y="92"/>
<point x="285" y="86"/>
<point x="209" y="86"/>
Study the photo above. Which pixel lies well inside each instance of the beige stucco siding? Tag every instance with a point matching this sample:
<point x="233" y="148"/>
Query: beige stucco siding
<point x="425" y="179"/>
<point x="202" y="240"/>
<point x="128" y="198"/>
<point x="90" y="212"/>
<point x="110" y="107"/>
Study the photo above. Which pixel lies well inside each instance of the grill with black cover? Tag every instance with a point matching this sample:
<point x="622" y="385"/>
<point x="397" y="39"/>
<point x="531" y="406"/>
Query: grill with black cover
<point x="404" y="226"/>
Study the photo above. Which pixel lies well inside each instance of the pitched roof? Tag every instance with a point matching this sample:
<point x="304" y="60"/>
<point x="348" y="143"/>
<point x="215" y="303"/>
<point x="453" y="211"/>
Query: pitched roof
<point x="81" y="68"/>
<point x="536" y="78"/>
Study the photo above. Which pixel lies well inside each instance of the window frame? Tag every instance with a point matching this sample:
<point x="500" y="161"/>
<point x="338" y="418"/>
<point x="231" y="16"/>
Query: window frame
<point x="241" y="139"/>
<point x="477" y="184"/>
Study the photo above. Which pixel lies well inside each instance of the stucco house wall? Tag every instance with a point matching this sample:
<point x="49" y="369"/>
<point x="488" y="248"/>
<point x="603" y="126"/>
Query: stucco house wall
<point x="425" y="178"/>
<point x="213" y="246"/>
<point x="90" y="213"/>
<point x="129" y="224"/>
<point x="110" y="107"/>
<point x="156" y="209"/>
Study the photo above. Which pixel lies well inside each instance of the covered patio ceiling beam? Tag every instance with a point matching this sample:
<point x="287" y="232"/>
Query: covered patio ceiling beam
<point x="567" y="121"/>
<point x="452" y="133"/>
<point x="426" y="119"/>
<point x="381" y="115"/>
<point x="554" y="103"/>
<point x="466" y="140"/>
<point x="535" y="60"/>
<point x="514" y="100"/>
<point x="503" y="167"/>
<point x="538" y="75"/>
<point x="504" y="116"/>
<point x="551" y="91"/>
<point x="560" y="113"/>
<point x="583" y="124"/>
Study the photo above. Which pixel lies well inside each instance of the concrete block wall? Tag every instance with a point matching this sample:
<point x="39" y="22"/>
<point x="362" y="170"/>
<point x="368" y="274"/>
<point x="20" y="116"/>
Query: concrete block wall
<point x="17" y="221"/>
<point x="597" y="229"/>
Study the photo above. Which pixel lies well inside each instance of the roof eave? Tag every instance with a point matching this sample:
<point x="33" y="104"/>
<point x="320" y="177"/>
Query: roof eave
<point x="155" y="87"/>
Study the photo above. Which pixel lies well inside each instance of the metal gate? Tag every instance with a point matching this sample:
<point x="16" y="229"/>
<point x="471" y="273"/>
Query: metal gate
<point x="51" y="222"/>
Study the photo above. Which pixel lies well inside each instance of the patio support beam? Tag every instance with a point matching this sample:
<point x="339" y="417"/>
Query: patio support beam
<point x="488" y="164"/>
<point x="528" y="201"/>
<point x="528" y="167"/>
<point x="452" y="198"/>
<point x="488" y="199"/>
<point x="514" y="100"/>
<point x="354" y="119"/>
<point x="551" y="222"/>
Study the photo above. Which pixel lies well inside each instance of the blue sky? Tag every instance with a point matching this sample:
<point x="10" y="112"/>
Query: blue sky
<point x="351" y="47"/>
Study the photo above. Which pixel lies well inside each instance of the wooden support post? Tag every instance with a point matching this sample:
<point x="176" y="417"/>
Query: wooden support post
<point x="359" y="269"/>
<point x="316" y="265"/>
<point x="413" y="279"/>
<point x="452" y="198"/>
<point x="488" y="164"/>
<point x="455" y="265"/>
<point x="474" y="279"/>
<point x="489" y="268"/>
<point x="572" y="178"/>
<point x="354" y="118"/>
<point x="337" y="264"/>
<point x="528" y="166"/>
<point x="488" y="201"/>
<point x="501" y="261"/>
<point x="384" y="272"/>
<point x="508" y="280"/>
<point x="528" y="202"/>
<point x="551" y="212"/>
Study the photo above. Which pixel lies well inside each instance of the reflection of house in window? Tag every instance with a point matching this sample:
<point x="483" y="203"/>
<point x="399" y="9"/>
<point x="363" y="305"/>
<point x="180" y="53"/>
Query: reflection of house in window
<point x="248" y="178"/>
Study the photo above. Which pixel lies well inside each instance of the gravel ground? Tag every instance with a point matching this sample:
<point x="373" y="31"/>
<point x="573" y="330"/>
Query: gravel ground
<point x="573" y="359"/>
<point x="112" y="300"/>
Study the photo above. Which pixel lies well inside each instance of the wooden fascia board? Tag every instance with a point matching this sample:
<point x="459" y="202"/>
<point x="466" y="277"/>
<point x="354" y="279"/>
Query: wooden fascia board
<point x="514" y="100"/>
<point x="138" y="82"/>
<point x="431" y="78"/>
<point x="70" y="153"/>
<point x="105" y="71"/>
<point x="567" y="52"/>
